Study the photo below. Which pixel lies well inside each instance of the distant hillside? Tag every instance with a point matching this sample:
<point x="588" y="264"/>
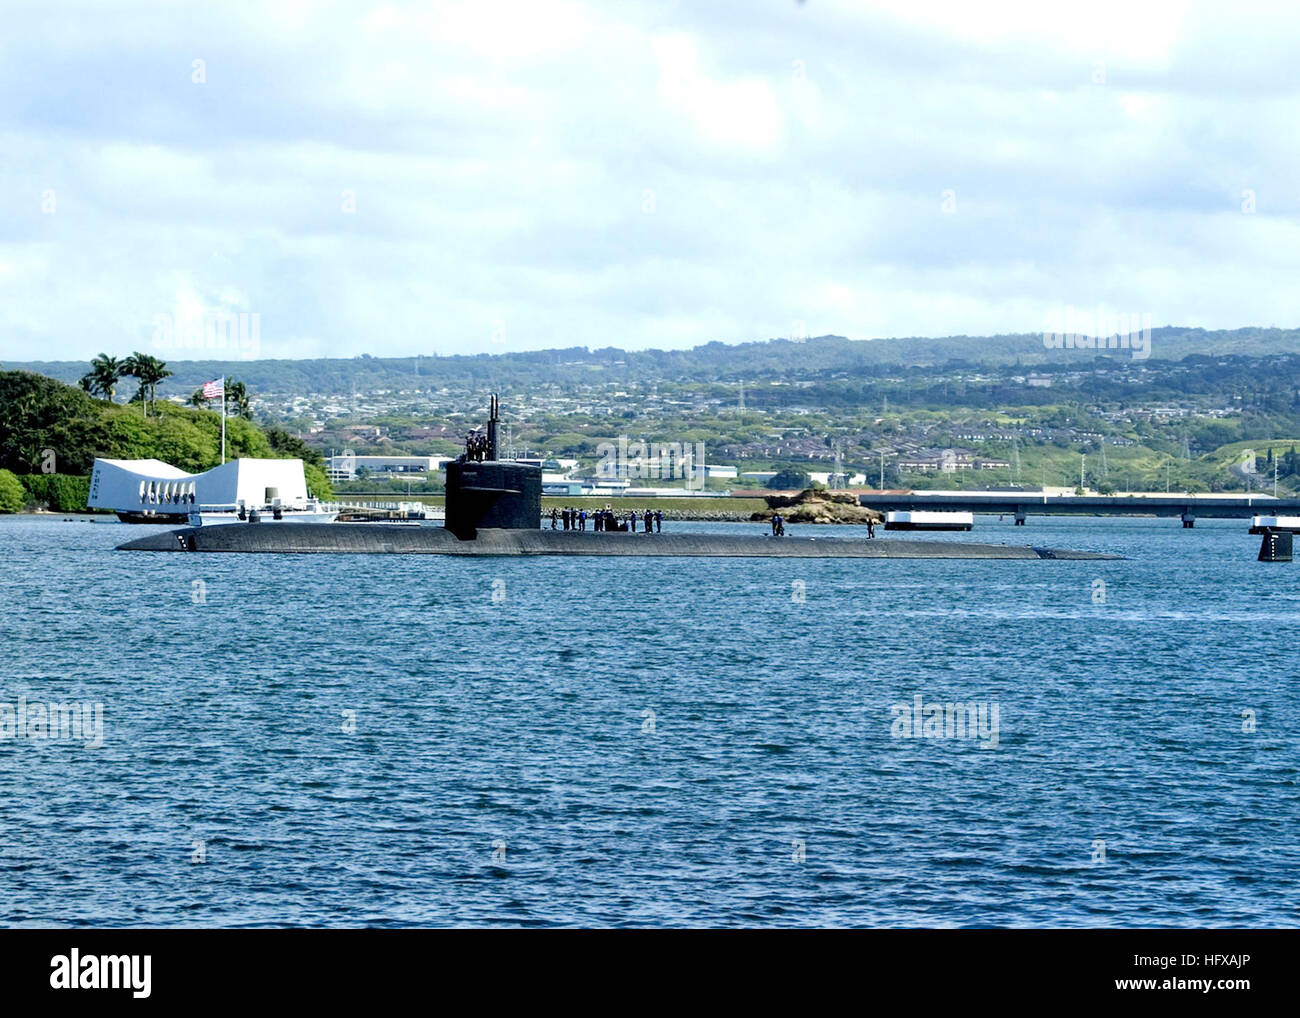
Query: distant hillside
<point x="774" y="359"/>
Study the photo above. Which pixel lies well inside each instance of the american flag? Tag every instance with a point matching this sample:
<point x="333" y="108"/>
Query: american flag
<point x="213" y="390"/>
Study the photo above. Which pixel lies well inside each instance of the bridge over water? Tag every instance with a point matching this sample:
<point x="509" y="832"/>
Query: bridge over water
<point x="1021" y="504"/>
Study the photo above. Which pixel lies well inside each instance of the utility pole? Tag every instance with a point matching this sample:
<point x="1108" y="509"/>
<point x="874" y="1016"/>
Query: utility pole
<point x="1082" y="459"/>
<point x="882" y="470"/>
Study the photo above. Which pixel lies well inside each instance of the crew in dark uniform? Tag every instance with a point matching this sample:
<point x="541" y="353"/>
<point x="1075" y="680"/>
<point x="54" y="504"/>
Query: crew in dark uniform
<point x="554" y="517"/>
<point x="659" y="521"/>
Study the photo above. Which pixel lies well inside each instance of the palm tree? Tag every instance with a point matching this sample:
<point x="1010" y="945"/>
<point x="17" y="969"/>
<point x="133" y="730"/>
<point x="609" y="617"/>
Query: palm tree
<point x="237" y="400"/>
<point x="103" y="376"/>
<point x="108" y="371"/>
<point x="149" y="371"/>
<point x="157" y="372"/>
<point x="131" y="369"/>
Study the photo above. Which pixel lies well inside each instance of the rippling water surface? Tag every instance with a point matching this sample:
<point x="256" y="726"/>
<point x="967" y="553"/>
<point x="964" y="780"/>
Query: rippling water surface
<point x="653" y="742"/>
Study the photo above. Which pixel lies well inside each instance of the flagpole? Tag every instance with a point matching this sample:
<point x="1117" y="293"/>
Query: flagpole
<point x="223" y="419"/>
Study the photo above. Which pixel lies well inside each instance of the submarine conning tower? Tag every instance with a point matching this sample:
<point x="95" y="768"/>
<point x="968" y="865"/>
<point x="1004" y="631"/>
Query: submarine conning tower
<point x="488" y="493"/>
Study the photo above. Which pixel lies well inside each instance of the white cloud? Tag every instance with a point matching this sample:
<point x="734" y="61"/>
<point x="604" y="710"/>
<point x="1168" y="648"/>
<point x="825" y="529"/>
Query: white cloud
<point x="499" y="155"/>
<point x="740" y="113"/>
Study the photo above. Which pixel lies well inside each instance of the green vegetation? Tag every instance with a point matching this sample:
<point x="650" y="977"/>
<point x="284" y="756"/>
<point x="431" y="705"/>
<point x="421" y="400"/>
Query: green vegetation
<point x="13" y="496"/>
<point x="104" y="374"/>
<point x="45" y="424"/>
<point x="106" y="371"/>
<point x="1006" y="411"/>
<point x="779" y="359"/>
<point x="60" y="493"/>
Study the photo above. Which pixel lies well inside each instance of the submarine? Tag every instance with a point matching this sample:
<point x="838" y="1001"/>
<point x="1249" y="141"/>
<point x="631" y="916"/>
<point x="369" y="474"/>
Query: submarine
<point x="494" y="508"/>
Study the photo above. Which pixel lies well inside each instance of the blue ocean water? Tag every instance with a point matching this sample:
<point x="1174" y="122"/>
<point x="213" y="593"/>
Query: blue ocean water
<point x="411" y="740"/>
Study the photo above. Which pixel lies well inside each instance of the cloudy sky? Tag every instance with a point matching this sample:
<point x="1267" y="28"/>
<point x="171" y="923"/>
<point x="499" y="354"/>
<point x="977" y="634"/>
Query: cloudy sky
<point x="446" y="177"/>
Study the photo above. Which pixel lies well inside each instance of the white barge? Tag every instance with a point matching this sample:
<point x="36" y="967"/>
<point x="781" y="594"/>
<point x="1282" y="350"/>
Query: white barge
<point x="1282" y="524"/>
<point x="915" y="519"/>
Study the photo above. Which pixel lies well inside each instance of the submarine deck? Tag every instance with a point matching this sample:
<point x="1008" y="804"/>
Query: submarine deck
<point x="376" y="538"/>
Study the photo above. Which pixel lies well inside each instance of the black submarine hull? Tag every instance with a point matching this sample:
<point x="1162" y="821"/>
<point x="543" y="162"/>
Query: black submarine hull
<point x="380" y="539"/>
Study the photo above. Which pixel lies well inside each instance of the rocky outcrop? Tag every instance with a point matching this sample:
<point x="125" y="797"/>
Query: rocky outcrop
<point x="817" y="505"/>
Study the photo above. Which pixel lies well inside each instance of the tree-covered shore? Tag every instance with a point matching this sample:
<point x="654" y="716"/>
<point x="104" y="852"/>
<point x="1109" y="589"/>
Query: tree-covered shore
<point x="51" y="433"/>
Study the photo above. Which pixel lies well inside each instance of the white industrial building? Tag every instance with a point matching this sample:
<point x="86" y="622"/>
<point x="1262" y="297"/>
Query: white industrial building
<point x="151" y="487"/>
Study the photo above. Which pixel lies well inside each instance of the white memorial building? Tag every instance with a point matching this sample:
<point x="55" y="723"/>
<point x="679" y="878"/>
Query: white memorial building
<point x="151" y="488"/>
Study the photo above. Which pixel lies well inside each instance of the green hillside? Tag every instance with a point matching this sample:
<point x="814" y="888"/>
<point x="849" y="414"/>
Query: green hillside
<point x="823" y="356"/>
<point x="1232" y="453"/>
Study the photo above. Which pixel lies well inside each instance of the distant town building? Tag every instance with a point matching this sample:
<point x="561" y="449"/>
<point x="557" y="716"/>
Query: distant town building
<point x="346" y="467"/>
<point x="949" y="461"/>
